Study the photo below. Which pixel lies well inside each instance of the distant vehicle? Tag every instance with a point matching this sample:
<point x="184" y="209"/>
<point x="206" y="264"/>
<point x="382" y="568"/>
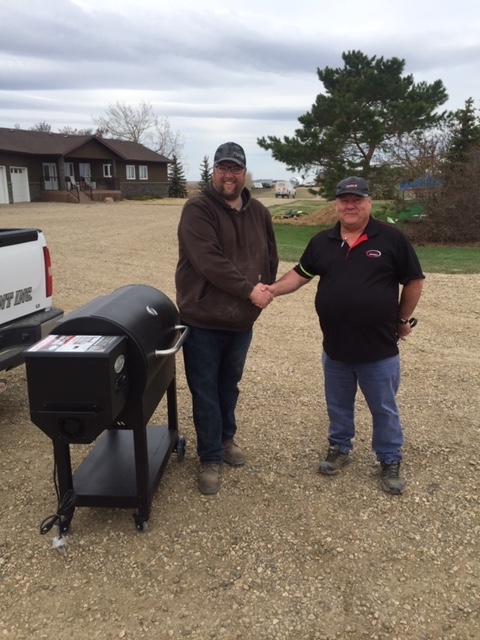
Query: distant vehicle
<point x="257" y="185"/>
<point x="310" y="183"/>
<point x="285" y="190"/>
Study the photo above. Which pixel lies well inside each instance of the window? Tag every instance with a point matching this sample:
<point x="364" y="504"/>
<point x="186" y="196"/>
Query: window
<point x="130" y="172"/>
<point x="107" y="170"/>
<point x="143" y="172"/>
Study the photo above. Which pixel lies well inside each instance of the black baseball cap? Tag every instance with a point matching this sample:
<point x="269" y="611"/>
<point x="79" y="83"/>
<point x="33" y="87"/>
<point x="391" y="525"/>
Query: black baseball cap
<point x="357" y="186"/>
<point x="230" y="151"/>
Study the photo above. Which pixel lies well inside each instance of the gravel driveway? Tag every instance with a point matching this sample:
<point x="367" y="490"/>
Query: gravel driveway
<point x="281" y="552"/>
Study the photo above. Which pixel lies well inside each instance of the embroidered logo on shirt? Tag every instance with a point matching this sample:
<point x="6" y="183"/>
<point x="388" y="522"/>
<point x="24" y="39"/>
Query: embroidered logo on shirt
<point x="373" y="253"/>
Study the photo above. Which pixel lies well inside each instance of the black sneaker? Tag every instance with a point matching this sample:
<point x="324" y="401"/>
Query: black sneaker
<point x="334" y="461"/>
<point x="391" y="478"/>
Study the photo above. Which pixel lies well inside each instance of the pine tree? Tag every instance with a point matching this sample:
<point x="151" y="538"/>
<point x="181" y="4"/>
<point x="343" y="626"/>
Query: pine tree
<point x="465" y="134"/>
<point x="364" y="106"/>
<point x="205" y="173"/>
<point x="177" y="183"/>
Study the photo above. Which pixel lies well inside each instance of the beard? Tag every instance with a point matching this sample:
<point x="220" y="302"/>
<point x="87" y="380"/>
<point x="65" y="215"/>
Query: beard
<point x="230" y="194"/>
<point x="229" y="190"/>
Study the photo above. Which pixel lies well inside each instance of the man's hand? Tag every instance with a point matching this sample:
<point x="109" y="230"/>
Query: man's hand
<point x="403" y="330"/>
<point x="260" y="296"/>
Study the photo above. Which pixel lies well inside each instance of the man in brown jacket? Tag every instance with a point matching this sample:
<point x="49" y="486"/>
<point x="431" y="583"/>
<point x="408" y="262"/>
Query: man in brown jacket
<point x="227" y="252"/>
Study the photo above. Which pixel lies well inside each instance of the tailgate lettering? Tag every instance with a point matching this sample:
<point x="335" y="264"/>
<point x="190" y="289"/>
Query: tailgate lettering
<point x="23" y="295"/>
<point x="6" y="300"/>
<point x="18" y="297"/>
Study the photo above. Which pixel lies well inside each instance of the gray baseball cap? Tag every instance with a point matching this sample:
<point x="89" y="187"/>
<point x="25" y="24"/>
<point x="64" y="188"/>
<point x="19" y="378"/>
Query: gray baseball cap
<point x="230" y="151"/>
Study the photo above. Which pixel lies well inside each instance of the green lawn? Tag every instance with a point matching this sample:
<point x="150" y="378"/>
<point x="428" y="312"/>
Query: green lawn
<point x="292" y="240"/>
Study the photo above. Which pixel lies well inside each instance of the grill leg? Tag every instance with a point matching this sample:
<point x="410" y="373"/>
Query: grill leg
<point x="61" y="452"/>
<point x="172" y="405"/>
<point x="142" y="475"/>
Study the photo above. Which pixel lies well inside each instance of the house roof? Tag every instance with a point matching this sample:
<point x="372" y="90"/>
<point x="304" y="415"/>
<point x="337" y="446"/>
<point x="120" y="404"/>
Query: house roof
<point x="60" y="144"/>
<point x="426" y="182"/>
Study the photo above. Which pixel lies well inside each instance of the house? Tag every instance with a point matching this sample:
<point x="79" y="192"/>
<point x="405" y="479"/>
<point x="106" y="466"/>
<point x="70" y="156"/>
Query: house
<point x="56" y="167"/>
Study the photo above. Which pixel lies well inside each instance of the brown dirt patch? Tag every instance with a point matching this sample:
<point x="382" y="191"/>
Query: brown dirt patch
<point x="323" y="217"/>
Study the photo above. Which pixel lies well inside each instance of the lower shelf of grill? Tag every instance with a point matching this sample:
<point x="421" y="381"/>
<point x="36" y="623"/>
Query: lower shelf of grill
<point x="107" y="477"/>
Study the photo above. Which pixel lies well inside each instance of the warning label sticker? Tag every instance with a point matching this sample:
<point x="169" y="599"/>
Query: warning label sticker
<point x="74" y="343"/>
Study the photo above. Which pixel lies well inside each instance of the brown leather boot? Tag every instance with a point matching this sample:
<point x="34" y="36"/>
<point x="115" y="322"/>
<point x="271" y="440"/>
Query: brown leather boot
<point x="232" y="454"/>
<point x="209" y="478"/>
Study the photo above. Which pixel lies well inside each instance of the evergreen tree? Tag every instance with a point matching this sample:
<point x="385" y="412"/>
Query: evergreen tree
<point x="205" y="173"/>
<point x="177" y="183"/>
<point x="364" y="106"/>
<point x="465" y="132"/>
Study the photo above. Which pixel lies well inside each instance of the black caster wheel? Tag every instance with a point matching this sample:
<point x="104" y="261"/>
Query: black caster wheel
<point x="180" y="448"/>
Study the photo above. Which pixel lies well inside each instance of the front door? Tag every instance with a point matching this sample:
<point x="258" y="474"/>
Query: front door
<point x="50" y="178"/>
<point x="69" y="175"/>
<point x="20" y="188"/>
<point x="85" y="172"/>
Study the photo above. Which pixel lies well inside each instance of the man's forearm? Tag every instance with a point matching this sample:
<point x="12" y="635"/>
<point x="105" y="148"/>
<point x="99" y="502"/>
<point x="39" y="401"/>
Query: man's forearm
<point x="288" y="283"/>
<point x="409" y="298"/>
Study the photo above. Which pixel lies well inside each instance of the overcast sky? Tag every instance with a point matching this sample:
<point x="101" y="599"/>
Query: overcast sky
<point x="220" y="71"/>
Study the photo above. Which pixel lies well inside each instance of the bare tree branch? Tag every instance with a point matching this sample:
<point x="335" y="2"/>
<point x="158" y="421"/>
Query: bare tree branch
<point x="123" y="122"/>
<point x="166" y="141"/>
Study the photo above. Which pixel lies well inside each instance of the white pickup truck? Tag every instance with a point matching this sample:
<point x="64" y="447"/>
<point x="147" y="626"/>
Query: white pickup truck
<point x="26" y="312"/>
<point x="285" y="190"/>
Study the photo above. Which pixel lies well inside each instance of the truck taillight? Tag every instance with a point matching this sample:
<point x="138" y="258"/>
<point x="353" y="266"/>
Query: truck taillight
<point x="48" y="272"/>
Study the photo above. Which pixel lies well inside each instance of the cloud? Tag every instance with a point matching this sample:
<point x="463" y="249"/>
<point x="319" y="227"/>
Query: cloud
<point x="215" y="69"/>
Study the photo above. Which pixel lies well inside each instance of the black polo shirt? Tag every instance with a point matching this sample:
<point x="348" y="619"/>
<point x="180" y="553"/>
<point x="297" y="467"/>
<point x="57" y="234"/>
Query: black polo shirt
<point x="358" y="292"/>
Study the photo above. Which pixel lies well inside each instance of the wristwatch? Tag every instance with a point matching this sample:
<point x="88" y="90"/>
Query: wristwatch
<point x="411" y="321"/>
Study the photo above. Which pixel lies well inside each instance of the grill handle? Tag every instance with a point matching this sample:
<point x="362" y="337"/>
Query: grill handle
<point x="159" y="353"/>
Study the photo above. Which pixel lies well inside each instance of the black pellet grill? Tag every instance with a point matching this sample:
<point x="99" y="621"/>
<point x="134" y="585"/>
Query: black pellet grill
<point x="101" y="375"/>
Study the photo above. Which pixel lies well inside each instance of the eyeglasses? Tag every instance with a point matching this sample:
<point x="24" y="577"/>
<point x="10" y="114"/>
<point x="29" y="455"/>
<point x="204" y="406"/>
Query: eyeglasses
<point x="223" y="169"/>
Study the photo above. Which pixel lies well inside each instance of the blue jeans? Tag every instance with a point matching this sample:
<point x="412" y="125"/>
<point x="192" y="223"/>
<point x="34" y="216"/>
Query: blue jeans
<point x="379" y="382"/>
<point x="214" y="362"/>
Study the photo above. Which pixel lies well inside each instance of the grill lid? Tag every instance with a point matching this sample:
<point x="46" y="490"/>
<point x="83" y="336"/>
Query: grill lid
<point x="144" y="314"/>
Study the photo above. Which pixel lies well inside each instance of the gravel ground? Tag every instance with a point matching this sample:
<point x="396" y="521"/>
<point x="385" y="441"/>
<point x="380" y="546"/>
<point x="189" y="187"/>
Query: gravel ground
<point x="281" y="552"/>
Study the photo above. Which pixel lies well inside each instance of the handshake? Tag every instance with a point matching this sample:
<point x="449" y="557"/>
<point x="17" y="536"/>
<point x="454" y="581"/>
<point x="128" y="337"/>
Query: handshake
<point x="262" y="295"/>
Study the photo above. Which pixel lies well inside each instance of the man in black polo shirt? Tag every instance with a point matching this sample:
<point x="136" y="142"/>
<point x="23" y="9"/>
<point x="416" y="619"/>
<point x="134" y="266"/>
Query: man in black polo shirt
<point x="361" y="263"/>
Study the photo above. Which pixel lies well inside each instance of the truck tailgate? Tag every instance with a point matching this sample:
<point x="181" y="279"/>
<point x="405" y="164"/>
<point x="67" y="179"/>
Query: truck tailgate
<point x="19" y="335"/>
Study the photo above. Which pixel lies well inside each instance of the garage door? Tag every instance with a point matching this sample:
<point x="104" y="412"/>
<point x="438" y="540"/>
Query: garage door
<point x="20" y="188"/>
<point x="3" y="186"/>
